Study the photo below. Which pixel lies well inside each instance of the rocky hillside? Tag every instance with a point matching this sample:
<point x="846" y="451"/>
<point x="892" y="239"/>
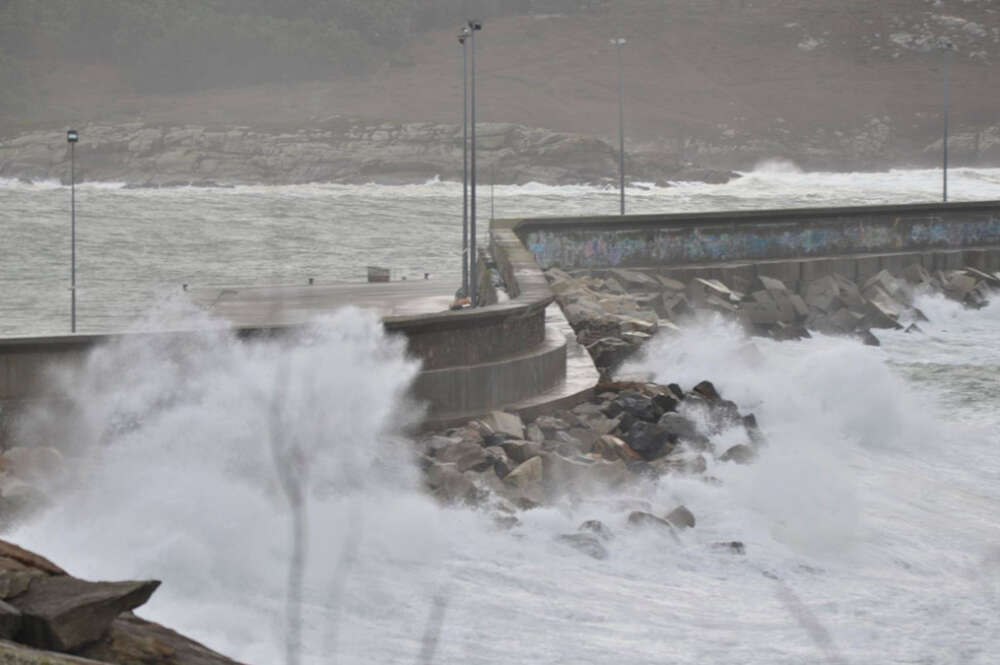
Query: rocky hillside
<point x="840" y="84"/>
<point x="336" y="150"/>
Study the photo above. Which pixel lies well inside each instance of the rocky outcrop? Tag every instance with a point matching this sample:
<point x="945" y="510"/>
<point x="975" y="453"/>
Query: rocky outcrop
<point x="46" y="614"/>
<point x="336" y="150"/>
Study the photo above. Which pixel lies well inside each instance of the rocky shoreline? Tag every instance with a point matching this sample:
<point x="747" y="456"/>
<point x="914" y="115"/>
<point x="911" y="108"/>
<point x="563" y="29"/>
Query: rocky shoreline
<point x="614" y="312"/>
<point x="334" y="150"/>
<point x="634" y="434"/>
<point x="623" y="441"/>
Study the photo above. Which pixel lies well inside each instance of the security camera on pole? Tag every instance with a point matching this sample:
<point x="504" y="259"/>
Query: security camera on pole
<point x="72" y="137"/>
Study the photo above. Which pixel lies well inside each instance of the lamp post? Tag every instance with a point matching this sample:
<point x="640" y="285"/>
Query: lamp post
<point x="72" y="137"/>
<point x="473" y="27"/>
<point x="619" y="42"/>
<point x="947" y="47"/>
<point x="463" y="40"/>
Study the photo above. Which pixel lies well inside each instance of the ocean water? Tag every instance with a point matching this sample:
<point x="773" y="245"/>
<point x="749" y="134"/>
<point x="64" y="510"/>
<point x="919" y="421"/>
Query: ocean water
<point x="871" y="520"/>
<point x="137" y="246"/>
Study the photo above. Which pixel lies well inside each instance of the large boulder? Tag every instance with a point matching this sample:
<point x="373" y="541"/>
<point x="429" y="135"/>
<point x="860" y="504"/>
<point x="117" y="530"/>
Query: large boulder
<point x="587" y="543"/>
<point x="681" y="518"/>
<point x="62" y="613"/>
<point x="650" y="440"/>
<point x="506" y="423"/>
<point x="528" y="479"/>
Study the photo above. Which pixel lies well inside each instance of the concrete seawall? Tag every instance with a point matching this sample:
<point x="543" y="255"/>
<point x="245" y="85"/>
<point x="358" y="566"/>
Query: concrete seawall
<point x="759" y="235"/>
<point x="792" y="245"/>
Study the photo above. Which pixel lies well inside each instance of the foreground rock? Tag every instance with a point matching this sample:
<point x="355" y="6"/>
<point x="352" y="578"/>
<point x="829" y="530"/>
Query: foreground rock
<point x="46" y="613"/>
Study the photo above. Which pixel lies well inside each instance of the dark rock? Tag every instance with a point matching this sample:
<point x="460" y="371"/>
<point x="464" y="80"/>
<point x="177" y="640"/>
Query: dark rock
<point x="587" y="543"/>
<point x="733" y="546"/>
<point x="62" y="613"/>
<point x="665" y="403"/>
<point x="676" y="390"/>
<point x="750" y="421"/>
<point x="650" y="440"/>
<point x="597" y="528"/>
<point x="725" y="413"/>
<point x="739" y="454"/>
<point x="681" y="518"/>
<point x="10" y="620"/>
<point x="638" y="405"/>
<point x="502" y="465"/>
<point x="609" y="353"/>
<point x="680" y="427"/>
<point x="707" y="390"/>
<point x="868" y="338"/>
<point x="643" y="519"/>
<point x="495" y="439"/>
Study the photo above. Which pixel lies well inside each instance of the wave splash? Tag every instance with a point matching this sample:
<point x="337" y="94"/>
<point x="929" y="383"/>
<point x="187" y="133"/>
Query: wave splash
<point x="174" y="478"/>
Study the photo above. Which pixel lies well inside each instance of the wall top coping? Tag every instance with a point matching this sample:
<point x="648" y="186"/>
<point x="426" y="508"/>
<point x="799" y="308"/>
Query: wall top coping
<point x="790" y="215"/>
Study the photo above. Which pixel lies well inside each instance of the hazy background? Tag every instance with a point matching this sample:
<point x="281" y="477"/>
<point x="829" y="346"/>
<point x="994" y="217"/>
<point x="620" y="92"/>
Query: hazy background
<point x="717" y="71"/>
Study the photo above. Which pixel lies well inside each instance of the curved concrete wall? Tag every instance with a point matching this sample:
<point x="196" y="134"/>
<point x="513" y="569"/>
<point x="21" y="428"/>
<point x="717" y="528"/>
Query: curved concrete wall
<point x="473" y="360"/>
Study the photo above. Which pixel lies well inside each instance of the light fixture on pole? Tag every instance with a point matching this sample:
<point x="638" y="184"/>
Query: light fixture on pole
<point x="619" y="42"/>
<point x="72" y="137"/>
<point x="463" y="40"/>
<point x="473" y="27"/>
<point x="946" y="46"/>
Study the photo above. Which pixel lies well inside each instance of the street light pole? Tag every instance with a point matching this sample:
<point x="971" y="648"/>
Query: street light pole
<point x="619" y="42"/>
<point x="462" y="39"/>
<point x="947" y="47"/>
<point x="72" y="137"/>
<point x="473" y="26"/>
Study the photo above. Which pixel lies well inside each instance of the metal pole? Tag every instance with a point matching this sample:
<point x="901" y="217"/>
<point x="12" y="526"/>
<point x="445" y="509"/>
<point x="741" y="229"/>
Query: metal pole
<point x="465" y="162"/>
<point x="473" y="282"/>
<point x="944" y="145"/>
<point x="72" y="273"/>
<point x="619" y="42"/>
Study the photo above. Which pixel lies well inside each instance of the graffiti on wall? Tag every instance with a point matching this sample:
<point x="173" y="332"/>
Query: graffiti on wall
<point x="596" y="247"/>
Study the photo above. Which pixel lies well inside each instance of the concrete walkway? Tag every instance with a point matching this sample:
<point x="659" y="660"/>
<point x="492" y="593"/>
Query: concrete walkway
<point x="264" y="306"/>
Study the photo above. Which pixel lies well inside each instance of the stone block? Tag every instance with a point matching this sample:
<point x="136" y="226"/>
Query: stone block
<point x="62" y="613"/>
